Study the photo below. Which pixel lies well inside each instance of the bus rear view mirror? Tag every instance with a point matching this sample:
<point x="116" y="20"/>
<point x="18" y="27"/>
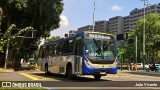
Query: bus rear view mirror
<point x="87" y="51"/>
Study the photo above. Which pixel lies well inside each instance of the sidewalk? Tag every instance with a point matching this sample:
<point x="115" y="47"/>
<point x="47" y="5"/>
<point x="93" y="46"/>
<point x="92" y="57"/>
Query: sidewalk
<point x="6" y="70"/>
<point x="131" y="71"/>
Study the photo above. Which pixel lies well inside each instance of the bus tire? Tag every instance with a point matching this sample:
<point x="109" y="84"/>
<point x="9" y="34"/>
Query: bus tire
<point x="46" y="69"/>
<point x="69" y="73"/>
<point x="97" y="77"/>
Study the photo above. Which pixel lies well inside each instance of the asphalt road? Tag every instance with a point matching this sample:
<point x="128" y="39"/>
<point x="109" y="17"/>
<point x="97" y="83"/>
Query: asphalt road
<point x="123" y="80"/>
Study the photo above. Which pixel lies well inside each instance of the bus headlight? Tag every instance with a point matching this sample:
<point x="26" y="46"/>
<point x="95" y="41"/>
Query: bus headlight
<point x="115" y="65"/>
<point x="87" y="64"/>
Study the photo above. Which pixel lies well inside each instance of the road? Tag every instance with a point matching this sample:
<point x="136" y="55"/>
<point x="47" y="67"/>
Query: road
<point x="123" y="80"/>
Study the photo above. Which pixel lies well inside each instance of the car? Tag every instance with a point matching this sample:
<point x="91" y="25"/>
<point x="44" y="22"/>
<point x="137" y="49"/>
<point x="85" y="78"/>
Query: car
<point x="150" y="67"/>
<point x="147" y="67"/>
<point x="32" y="65"/>
<point x="139" y="66"/>
<point x="157" y="67"/>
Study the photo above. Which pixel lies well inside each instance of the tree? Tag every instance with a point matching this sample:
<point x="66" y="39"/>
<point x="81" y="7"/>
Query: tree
<point x="42" y="15"/>
<point x="52" y="38"/>
<point x="152" y="23"/>
<point x="1" y="47"/>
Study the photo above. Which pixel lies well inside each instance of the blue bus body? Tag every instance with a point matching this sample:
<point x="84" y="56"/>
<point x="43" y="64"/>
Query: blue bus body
<point x="95" y="58"/>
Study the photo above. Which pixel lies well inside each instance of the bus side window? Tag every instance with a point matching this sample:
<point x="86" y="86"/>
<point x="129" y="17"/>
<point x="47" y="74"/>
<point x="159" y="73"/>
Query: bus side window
<point x="43" y="52"/>
<point x="40" y="52"/>
<point x="57" y="49"/>
<point x="50" y="51"/>
<point x="47" y="52"/>
<point x="79" y="46"/>
<point x="53" y="50"/>
<point x="69" y="44"/>
<point x="62" y="48"/>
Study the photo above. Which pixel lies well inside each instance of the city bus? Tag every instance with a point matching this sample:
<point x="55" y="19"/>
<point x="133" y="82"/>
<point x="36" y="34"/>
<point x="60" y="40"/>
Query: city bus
<point x="85" y="53"/>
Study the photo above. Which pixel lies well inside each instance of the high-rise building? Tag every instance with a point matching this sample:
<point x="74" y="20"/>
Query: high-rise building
<point x="126" y="24"/>
<point x="72" y="32"/>
<point x="116" y="25"/>
<point x="119" y="24"/>
<point x="136" y="14"/>
<point x="101" y="26"/>
<point x="85" y="28"/>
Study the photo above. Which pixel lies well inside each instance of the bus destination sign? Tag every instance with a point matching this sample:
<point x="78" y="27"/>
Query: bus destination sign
<point x="99" y="36"/>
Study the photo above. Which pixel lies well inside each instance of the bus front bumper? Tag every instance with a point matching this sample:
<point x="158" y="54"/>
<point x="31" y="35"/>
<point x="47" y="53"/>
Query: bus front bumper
<point x="101" y="71"/>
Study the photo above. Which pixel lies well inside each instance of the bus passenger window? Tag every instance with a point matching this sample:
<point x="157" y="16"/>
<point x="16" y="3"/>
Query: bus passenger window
<point x="53" y="50"/>
<point x="57" y="50"/>
<point x="40" y="52"/>
<point x="69" y="44"/>
<point x="78" y="46"/>
<point x="44" y="53"/>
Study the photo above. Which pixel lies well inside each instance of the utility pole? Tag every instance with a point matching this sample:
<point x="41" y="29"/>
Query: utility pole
<point x="61" y="28"/>
<point x="136" y="52"/>
<point x="144" y="52"/>
<point x="94" y="14"/>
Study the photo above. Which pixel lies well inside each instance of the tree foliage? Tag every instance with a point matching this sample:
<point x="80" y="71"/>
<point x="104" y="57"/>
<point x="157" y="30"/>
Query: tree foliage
<point x="42" y="15"/>
<point x="152" y="36"/>
<point x="52" y="38"/>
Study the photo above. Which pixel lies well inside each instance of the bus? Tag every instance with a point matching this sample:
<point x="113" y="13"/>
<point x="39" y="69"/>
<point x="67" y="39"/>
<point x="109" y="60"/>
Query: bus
<point x="85" y="53"/>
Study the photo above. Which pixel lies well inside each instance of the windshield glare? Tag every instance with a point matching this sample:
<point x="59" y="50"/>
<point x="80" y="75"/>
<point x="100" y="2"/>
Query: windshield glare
<point x="100" y="49"/>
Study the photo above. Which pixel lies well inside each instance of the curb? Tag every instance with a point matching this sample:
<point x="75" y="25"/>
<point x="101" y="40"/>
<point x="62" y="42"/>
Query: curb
<point x="6" y="70"/>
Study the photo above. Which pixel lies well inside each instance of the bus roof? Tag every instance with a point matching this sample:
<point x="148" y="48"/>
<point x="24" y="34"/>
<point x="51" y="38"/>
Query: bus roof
<point x="98" y="32"/>
<point x="76" y="35"/>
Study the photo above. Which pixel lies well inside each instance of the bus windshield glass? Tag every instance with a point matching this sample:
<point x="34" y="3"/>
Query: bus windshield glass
<point x="99" y="50"/>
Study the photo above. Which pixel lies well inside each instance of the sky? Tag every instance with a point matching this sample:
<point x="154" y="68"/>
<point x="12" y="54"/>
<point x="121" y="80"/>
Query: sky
<point x="79" y="13"/>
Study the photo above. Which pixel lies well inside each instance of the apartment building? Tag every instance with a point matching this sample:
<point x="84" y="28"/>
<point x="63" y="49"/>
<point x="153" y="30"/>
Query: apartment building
<point x="101" y="26"/>
<point x="116" y="25"/>
<point x="136" y="14"/>
<point x="126" y="26"/>
<point x="119" y="24"/>
<point x="85" y="28"/>
<point x="72" y="32"/>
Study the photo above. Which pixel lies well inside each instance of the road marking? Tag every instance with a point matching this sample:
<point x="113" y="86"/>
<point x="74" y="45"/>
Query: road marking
<point x="29" y="76"/>
<point x="89" y="76"/>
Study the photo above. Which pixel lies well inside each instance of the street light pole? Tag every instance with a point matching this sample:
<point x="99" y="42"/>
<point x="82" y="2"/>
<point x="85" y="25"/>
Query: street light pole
<point x="144" y="52"/>
<point x="136" y="51"/>
<point x="61" y="29"/>
<point x="144" y="37"/>
<point x="94" y="14"/>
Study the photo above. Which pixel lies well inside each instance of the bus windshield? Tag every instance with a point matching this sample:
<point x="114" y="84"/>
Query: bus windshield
<point x="100" y="50"/>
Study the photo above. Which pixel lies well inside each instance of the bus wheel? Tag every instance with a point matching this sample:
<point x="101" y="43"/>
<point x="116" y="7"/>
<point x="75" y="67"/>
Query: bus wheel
<point x="69" y="73"/>
<point x="97" y="77"/>
<point x="46" y="70"/>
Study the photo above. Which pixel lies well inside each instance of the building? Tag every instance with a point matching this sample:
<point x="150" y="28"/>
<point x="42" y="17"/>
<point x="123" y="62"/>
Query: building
<point x="126" y="24"/>
<point x="85" y="28"/>
<point x="101" y="26"/>
<point x="136" y="14"/>
<point x="72" y="32"/>
<point x="116" y="25"/>
<point x="119" y="24"/>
